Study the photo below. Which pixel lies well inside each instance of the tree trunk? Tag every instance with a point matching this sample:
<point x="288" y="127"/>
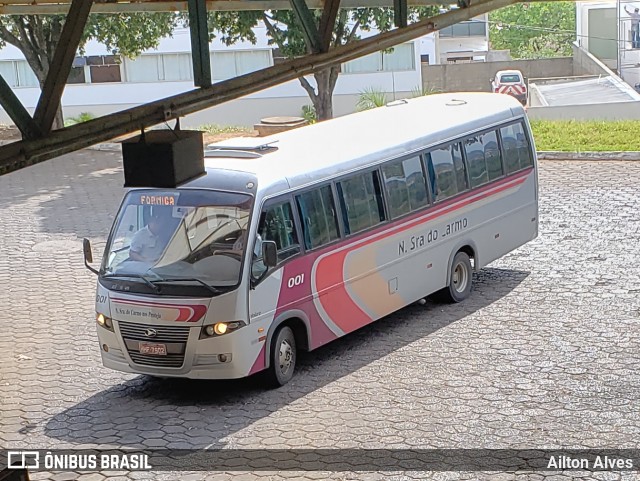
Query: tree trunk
<point x="323" y="101"/>
<point x="322" y="96"/>
<point x="58" y="120"/>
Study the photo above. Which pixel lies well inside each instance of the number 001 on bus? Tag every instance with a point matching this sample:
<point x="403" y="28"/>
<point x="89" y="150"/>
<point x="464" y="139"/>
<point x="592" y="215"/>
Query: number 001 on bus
<point x="293" y="240"/>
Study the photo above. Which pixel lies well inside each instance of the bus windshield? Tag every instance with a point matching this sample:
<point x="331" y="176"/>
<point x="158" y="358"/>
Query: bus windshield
<point x="179" y="236"/>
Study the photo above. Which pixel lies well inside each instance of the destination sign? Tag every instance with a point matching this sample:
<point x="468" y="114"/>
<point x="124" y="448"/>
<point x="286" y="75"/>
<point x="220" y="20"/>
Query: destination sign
<point x="156" y="199"/>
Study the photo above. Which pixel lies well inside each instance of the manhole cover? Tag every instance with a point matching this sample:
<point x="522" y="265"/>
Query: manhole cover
<point x="58" y="246"/>
<point x="282" y="120"/>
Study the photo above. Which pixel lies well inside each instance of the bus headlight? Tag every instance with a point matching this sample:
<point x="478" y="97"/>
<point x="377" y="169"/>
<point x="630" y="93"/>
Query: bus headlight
<point x="221" y="328"/>
<point x="104" y="321"/>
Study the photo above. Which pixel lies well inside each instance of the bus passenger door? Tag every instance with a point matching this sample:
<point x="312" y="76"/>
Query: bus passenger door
<point x="276" y="224"/>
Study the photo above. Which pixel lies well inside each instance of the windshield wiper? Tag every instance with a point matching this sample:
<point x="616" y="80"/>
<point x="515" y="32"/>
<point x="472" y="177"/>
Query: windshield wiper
<point x="155" y="288"/>
<point x="190" y="279"/>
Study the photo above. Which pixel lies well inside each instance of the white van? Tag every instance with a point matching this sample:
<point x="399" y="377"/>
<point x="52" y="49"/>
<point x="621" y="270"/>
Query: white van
<point x="510" y="82"/>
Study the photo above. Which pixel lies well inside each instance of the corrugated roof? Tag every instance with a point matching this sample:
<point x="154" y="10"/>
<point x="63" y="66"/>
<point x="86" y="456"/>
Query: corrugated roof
<point x="590" y="91"/>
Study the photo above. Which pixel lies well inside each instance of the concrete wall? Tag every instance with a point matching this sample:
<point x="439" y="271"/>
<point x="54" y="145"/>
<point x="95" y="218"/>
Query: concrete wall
<point x="281" y="100"/>
<point x="586" y="64"/>
<point x="475" y="77"/>
<point x="244" y="112"/>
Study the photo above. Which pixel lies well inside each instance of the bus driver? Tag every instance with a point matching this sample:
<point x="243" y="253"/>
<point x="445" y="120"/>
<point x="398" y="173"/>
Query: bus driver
<point x="148" y="244"/>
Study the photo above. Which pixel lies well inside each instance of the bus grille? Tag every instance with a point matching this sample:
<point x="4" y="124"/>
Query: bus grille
<point x="163" y="333"/>
<point x="170" y="360"/>
<point x="174" y="337"/>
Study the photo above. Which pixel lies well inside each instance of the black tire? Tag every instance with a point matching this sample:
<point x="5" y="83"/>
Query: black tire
<point x="460" y="279"/>
<point x="282" y="357"/>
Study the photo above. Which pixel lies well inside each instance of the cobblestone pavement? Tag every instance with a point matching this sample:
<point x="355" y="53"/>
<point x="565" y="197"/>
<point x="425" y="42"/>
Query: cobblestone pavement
<point x="544" y="354"/>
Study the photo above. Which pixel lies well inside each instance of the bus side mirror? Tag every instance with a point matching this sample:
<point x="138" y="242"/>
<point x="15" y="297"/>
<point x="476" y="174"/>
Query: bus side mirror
<point x="88" y="255"/>
<point x="269" y="253"/>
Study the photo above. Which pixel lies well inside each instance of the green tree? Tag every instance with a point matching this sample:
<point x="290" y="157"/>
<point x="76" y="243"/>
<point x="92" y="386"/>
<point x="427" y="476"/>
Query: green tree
<point x="285" y="33"/>
<point x="534" y="30"/>
<point x="37" y="36"/>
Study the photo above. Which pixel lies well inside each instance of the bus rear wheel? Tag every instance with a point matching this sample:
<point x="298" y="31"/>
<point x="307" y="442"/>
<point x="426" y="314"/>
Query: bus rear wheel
<point x="282" y="358"/>
<point x="460" y="278"/>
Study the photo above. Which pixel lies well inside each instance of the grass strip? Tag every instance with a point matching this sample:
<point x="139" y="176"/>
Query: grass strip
<point x="586" y="136"/>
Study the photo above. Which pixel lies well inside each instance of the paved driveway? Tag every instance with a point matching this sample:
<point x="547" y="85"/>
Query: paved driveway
<point x="543" y="354"/>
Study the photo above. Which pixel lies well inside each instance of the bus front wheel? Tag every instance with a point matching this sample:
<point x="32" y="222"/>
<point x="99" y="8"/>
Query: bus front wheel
<point x="460" y="277"/>
<point x="283" y="358"/>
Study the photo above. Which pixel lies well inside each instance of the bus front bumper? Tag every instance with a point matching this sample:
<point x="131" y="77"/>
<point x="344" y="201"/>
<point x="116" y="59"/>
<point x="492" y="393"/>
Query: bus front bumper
<point x="212" y="358"/>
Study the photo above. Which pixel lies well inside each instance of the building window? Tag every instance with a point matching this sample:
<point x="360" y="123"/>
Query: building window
<point x="77" y="74"/>
<point x="18" y="73"/>
<point x="177" y="67"/>
<point x="160" y="67"/>
<point x="400" y="58"/>
<point x="459" y="59"/>
<point x="104" y="68"/>
<point x="226" y="65"/>
<point x="472" y="28"/>
<point x="144" y="68"/>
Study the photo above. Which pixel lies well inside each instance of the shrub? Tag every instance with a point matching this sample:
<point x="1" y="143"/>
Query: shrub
<point x="309" y="114"/>
<point x="224" y="129"/>
<point x="371" y="98"/>
<point x="83" y="117"/>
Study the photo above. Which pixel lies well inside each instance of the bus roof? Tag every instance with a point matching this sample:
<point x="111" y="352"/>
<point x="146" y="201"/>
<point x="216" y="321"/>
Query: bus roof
<point x="310" y="154"/>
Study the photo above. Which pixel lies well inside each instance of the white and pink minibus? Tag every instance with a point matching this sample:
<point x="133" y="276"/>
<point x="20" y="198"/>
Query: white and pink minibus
<point x="293" y="240"/>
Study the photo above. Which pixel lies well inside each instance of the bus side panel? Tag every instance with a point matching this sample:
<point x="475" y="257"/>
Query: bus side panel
<point x="370" y="276"/>
<point x="283" y="295"/>
<point x="389" y="270"/>
<point x="507" y="223"/>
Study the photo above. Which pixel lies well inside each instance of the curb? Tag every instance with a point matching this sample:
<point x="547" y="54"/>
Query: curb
<point x="551" y="155"/>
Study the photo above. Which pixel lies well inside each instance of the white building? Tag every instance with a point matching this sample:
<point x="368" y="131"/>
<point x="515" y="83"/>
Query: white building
<point x="463" y="42"/>
<point x="604" y="30"/>
<point x="101" y="83"/>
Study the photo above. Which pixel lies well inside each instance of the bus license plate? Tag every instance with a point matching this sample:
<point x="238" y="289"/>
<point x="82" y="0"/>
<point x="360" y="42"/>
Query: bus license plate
<point x="154" y="349"/>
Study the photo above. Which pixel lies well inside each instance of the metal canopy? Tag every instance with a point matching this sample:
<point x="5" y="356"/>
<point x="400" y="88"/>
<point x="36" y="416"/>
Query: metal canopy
<point x="28" y="7"/>
<point x="40" y="143"/>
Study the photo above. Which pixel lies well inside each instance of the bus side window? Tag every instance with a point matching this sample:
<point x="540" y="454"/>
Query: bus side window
<point x="405" y="185"/>
<point x="361" y="200"/>
<point x="460" y="168"/>
<point x="318" y="217"/>
<point x="443" y="167"/>
<point x="474" y="149"/>
<point x="276" y="224"/>
<point x="515" y="148"/>
<point x="492" y="155"/>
